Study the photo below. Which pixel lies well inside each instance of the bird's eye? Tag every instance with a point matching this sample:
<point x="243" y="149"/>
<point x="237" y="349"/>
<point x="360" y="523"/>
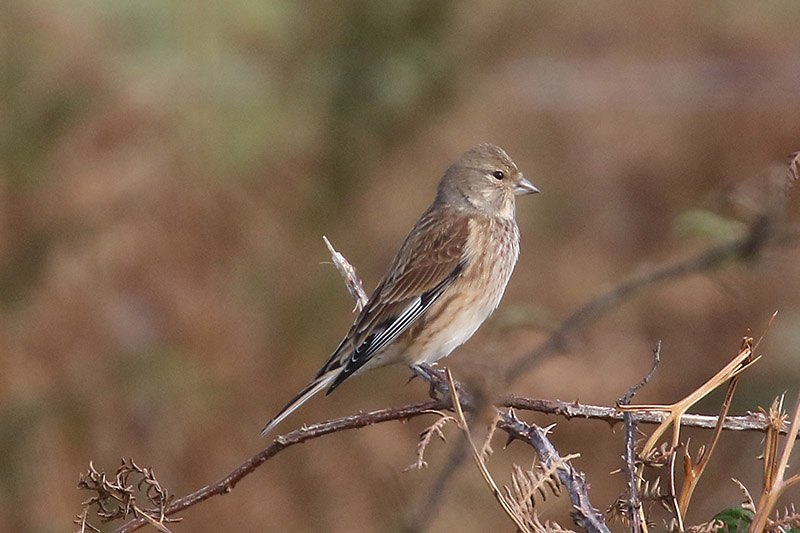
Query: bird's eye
<point x="499" y="174"/>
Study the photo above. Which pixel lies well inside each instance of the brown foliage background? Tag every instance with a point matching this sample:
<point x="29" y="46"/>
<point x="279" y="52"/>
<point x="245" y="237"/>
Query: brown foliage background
<point x="167" y="171"/>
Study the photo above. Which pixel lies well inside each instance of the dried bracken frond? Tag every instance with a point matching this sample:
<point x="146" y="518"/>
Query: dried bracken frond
<point x="434" y="430"/>
<point x="693" y="471"/>
<point x="652" y="493"/>
<point x="618" y="511"/>
<point x="674" y="412"/>
<point x="526" y="484"/>
<point x="116" y="498"/>
<point x="658" y="457"/>
<point x="790" y="519"/>
<point x="747" y="503"/>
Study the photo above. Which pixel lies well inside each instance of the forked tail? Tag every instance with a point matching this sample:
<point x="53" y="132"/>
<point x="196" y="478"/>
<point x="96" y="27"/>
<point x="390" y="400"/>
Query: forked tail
<point x="311" y="389"/>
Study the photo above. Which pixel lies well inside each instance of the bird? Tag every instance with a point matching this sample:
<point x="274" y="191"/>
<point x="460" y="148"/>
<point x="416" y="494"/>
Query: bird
<point x="447" y="277"/>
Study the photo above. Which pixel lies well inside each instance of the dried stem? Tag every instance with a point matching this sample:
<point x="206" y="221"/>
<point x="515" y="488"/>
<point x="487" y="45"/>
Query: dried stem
<point x="498" y="494"/>
<point x="348" y="273"/>
<point x="508" y="423"/>
<point x="692" y="473"/>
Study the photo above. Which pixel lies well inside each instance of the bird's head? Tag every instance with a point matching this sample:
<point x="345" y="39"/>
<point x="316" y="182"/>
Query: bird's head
<point x="486" y="179"/>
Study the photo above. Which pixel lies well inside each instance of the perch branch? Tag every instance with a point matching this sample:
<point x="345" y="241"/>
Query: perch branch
<point x="298" y="436"/>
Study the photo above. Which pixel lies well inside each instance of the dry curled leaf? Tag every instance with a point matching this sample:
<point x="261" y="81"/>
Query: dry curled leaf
<point x="116" y="498"/>
<point x="527" y="484"/>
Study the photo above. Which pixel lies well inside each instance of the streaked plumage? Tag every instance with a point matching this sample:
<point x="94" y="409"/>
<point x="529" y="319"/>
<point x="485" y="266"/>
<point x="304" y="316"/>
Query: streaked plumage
<point x="446" y="279"/>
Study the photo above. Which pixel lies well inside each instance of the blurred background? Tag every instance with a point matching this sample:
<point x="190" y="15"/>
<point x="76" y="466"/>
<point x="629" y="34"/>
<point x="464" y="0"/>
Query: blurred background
<point x="167" y="171"/>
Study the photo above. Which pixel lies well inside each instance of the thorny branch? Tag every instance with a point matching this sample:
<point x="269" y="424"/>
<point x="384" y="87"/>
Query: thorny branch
<point x="583" y="513"/>
<point x="298" y="436"/>
<point x="750" y="422"/>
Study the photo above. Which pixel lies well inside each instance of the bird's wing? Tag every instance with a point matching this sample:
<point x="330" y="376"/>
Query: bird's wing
<point x="428" y="262"/>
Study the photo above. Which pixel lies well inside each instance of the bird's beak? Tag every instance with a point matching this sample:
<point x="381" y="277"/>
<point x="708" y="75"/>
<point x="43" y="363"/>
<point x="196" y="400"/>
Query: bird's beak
<point x="525" y="187"/>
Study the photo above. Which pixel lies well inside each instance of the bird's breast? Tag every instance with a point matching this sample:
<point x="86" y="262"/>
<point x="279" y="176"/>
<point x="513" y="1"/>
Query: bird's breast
<point x="490" y="254"/>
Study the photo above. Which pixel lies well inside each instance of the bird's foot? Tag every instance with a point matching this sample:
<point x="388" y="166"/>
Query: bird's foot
<point x="436" y="377"/>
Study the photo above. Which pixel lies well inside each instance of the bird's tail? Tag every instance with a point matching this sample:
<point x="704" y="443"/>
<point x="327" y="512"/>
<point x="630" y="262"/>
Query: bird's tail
<point x="311" y="389"/>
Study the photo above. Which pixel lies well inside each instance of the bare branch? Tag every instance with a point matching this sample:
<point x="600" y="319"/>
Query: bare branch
<point x="751" y="422"/>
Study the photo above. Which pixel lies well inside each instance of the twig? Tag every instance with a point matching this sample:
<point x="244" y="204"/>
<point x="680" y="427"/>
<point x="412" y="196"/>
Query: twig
<point x="634" y="505"/>
<point x="508" y="423"/>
